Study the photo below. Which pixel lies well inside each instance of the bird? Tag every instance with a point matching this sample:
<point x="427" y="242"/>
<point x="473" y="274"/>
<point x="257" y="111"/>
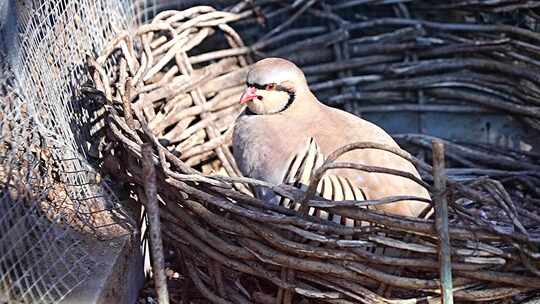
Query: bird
<point x="283" y="116"/>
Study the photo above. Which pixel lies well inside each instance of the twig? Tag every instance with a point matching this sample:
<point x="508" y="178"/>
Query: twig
<point x="441" y="222"/>
<point x="127" y="105"/>
<point x="152" y="209"/>
<point x="190" y="265"/>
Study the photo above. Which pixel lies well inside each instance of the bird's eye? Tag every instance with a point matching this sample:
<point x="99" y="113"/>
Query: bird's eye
<point x="270" y="87"/>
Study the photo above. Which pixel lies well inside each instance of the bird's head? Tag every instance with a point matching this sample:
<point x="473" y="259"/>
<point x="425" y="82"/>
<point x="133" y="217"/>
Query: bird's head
<point x="272" y="85"/>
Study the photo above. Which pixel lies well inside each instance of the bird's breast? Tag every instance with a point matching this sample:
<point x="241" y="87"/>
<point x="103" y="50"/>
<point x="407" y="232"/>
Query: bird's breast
<point x="263" y="147"/>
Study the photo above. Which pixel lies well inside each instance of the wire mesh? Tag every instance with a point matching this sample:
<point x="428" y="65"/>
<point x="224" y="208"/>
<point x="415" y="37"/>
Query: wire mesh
<point x="48" y="181"/>
<point x="40" y="260"/>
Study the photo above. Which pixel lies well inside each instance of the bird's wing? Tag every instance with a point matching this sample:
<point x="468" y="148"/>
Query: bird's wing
<point x="332" y="187"/>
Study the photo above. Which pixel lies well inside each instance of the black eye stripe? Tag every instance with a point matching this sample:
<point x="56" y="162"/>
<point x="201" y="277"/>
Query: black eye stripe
<point x="263" y="87"/>
<point x="256" y="86"/>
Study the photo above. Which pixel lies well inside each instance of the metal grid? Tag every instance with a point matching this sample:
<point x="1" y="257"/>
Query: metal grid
<point x="48" y="181"/>
<point x="40" y="261"/>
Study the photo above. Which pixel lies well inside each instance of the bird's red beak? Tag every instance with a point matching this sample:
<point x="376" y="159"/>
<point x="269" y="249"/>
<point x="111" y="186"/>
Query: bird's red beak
<point x="249" y="94"/>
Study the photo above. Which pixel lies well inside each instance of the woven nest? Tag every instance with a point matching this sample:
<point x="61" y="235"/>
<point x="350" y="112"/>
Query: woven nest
<point x="166" y="94"/>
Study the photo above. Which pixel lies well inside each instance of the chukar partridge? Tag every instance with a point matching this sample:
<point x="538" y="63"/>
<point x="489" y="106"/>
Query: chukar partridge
<point x="283" y="116"/>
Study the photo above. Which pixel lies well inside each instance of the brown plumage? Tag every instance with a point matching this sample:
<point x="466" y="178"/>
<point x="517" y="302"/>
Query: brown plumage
<point x="282" y="116"/>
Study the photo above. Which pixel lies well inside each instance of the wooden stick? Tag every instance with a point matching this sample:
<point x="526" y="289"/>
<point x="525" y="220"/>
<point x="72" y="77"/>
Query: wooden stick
<point x="441" y="221"/>
<point x="207" y="293"/>
<point x="127" y="105"/>
<point x="152" y="209"/>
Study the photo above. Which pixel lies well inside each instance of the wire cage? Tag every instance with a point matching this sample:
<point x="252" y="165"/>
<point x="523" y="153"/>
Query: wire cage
<point x="40" y="260"/>
<point x="53" y="198"/>
<point x="373" y="58"/>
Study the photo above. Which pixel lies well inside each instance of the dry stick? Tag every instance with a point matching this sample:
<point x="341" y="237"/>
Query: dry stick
<point x="441" y="221"/>
<point x="152" y="209"/>
<point x="355" y="254"/>
<point x="193" y="274"/>
<point x="289" y="21"/>
<point x="127" y="105"/>
<point x="215" y="267"/>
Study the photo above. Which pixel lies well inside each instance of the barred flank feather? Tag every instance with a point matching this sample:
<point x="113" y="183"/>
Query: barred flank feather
<point x="331" y="187"/>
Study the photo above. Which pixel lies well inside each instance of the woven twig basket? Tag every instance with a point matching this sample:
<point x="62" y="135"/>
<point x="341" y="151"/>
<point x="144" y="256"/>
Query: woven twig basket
<point x="161" y="89"/>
